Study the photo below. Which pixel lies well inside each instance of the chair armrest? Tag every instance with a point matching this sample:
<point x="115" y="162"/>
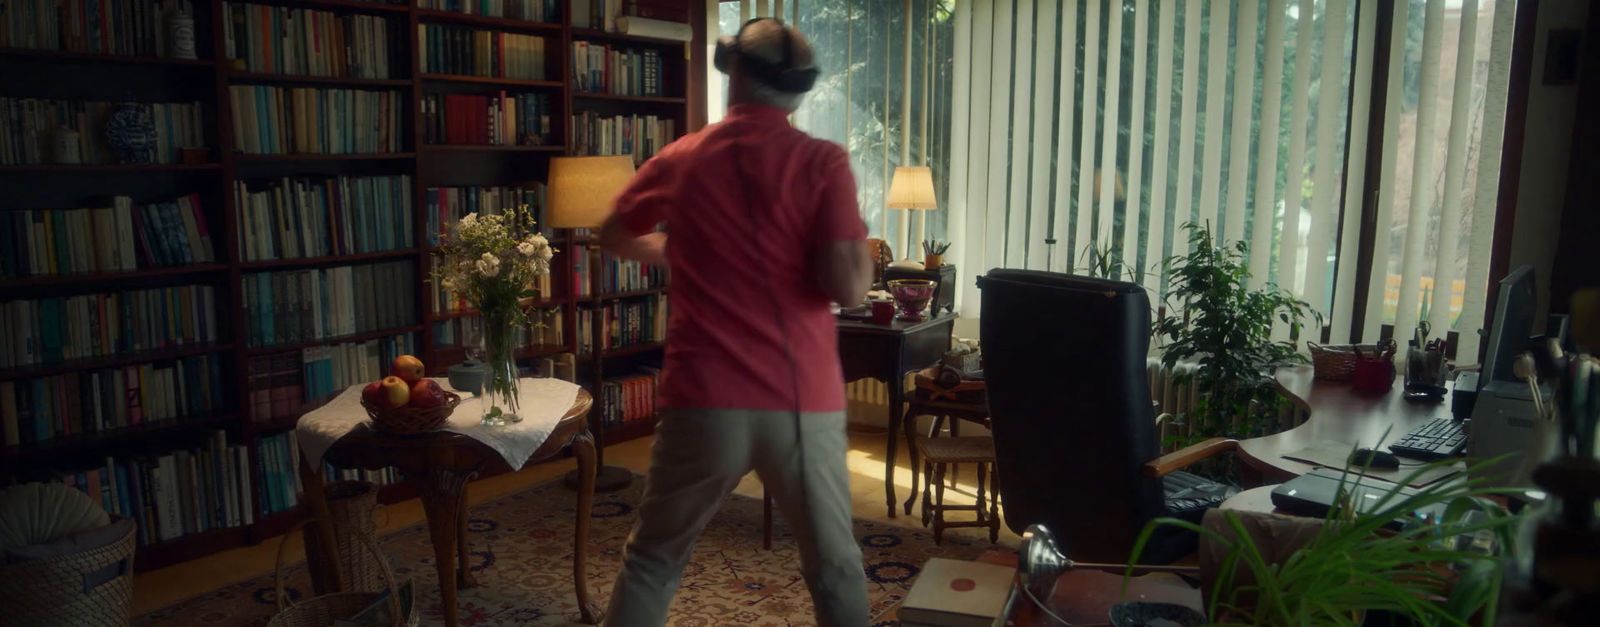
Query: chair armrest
<point x="1188" y="455"/>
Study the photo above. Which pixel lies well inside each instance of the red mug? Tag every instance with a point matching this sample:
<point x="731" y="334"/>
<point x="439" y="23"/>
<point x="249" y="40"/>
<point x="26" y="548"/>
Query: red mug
<point x="1373" y="375"/>
<point x="882" y="311"/>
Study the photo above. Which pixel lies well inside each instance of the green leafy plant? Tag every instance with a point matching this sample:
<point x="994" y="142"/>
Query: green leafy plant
<point x="1434" y="572"/>
<point x="1220" y="322"/>
<point x="1101" y="263"/>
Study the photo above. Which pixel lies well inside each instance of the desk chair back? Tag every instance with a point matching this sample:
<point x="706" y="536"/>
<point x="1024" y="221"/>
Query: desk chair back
<point x="1069" y="398"/>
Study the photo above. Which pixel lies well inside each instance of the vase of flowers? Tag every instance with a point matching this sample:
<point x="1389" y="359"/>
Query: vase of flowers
<point x="492" y="261"/>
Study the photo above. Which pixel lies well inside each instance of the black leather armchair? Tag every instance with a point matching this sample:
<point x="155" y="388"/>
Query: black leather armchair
<point x="1074" y="429"/>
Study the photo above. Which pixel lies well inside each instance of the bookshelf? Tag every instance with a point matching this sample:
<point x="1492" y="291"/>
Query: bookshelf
<point x="99" y="439"/>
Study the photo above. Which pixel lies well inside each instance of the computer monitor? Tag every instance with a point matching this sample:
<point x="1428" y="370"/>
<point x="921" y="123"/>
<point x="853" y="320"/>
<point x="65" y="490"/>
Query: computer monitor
<point x="1514" y="311"/>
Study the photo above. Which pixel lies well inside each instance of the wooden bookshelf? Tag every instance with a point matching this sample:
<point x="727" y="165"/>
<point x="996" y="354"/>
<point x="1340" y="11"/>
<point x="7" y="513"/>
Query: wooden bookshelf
<point x="90" y="76"/>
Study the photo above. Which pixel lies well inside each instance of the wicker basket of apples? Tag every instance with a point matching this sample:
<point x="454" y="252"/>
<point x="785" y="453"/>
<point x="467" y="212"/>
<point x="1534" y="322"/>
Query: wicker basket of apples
<point x="405" y="402"/>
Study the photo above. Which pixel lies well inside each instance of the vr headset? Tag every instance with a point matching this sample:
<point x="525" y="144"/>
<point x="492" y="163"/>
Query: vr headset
<point x="782" y="76"/>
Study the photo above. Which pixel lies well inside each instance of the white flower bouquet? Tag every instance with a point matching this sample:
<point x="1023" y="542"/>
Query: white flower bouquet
<point x="492" y="261"/>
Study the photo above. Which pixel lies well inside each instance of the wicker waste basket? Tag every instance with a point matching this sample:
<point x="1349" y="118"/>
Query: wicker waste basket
<point x="352" y="505"/>
<point x="93" y="586"/>
<point x="323" y="610"/>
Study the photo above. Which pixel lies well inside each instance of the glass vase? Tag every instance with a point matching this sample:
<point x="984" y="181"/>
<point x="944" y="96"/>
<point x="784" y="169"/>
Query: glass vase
<point x="500" y="382"/>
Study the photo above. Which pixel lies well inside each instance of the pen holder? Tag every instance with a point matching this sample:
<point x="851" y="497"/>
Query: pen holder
<point x="1425" y="372"/>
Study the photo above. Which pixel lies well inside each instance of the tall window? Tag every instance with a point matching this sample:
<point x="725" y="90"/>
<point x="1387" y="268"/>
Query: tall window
<point x="1087" y="128"/>
<point x="862" y="101"/>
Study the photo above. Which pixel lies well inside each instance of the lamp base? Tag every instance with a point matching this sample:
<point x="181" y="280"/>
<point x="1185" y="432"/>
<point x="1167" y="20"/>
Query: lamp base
<point x="606" y="479"/>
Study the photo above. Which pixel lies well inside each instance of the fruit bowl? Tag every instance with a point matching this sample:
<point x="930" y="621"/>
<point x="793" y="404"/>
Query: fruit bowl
<point x="913" y="296"/>
<point x="408" y="420"/>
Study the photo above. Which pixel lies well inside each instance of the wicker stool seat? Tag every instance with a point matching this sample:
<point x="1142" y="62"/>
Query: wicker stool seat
<point x="942" y="453"/>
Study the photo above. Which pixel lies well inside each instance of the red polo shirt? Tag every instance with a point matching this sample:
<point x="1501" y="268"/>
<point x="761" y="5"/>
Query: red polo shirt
<point x="747" y="202"/>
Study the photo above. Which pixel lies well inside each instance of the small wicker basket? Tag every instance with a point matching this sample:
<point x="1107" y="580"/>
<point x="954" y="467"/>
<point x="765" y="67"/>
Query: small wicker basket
<point x="409" y="420"/>
<point x="323" y="610"/>
<point x="53" y="591"/>
<point x="1337" y="362"/>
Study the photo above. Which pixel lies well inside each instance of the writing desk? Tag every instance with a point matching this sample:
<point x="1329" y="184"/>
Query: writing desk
<point x="886" y="352"/>
<point x="1337" y="414"/>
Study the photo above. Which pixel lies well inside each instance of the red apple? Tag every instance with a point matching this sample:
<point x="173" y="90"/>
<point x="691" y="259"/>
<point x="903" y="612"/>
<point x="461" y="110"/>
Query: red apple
<point x="396" y="392"/>
<point x="407" y="367"/>
<point x="426" y="394"/>
<point x="374" y="395"/>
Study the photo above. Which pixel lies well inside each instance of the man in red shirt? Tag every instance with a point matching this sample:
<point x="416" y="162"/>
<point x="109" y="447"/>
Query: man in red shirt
<point x="764" y="233"/>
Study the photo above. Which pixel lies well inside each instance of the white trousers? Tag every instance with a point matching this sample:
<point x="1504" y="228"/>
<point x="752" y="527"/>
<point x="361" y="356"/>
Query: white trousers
<point x="698" y="458"/>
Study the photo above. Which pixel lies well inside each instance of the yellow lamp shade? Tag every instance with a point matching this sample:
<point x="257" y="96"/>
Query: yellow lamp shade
<point x="582" y="189"/>
<point x="912" y="188"/>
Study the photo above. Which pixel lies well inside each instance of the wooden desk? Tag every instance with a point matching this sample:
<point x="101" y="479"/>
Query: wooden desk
<point x="440" y="464"/>
<point x="1085" y="597"/>
<point x="1337" y="414"/>
<point x="887" y="353"/>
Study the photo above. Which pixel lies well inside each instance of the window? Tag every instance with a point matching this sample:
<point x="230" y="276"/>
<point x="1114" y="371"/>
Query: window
<point x="861" y="99"/>
<point x="1104" y="125"/>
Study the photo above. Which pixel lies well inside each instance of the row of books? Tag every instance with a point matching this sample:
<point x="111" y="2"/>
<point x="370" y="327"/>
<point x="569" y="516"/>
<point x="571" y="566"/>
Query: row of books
<point x="306" y="305"/>
<point x="38" y="410"/>
<point x="28" y="127"/>
<point x="279" y="476"/>
<point x="118" y="27"/>
<point x="624" y="323"/>
<point x="121" y="237"/>
<point x="305" y="120"/>
<point x="176" y="494"/>
<point x="599" y="68"/>
<point x="283" y="40"/>
<point x="317" y="217"/>
<point x="498" y="120"/>
<point x="597" y="14"/>
<point x="528" y="10"/>
<point x="465" y="51"/>
<point x="629" y="398"/>
<point x="50" y="330"/>
<point x="641" y="136"/>
<point x="381" y="476"/>
<point x="281" y="385"/>
<point x="616" y="275"/>
<point x="446" y="205"/>
<point x="547" y="327"/>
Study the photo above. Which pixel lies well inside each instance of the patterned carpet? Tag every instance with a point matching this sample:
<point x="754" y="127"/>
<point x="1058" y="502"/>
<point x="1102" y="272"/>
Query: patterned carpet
<point x="521" y="548"/>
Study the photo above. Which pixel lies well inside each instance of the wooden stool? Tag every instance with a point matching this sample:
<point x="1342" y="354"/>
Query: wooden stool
<point x="939" y="454"/>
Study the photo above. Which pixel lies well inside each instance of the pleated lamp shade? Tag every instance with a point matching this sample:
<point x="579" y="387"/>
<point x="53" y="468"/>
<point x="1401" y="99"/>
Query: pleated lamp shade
<point x="912" y="188"/>
<point x="582" y="189"/>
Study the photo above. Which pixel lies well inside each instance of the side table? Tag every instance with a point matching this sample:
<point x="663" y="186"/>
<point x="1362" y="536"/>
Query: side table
<point x="440" y="464"/>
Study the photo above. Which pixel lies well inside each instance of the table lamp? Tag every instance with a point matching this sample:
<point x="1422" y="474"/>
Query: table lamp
<point x="581" y="189"/>
<point x="911" y="189"/>
<point x="580" y="194"/>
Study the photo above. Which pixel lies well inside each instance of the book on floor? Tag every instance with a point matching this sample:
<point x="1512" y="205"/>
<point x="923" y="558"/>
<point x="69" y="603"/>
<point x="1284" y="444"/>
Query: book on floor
<point x="955" y="593"/>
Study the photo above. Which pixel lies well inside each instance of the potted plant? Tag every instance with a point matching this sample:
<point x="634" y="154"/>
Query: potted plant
<point x="1223" y="324"/>
<point x="1445" y="570"/>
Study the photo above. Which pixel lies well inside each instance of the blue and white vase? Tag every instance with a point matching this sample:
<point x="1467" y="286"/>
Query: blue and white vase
<point x="131" y="133"/>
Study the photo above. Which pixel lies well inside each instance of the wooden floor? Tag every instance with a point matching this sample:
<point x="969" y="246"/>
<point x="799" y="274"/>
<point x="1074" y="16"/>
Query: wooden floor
<point x="162" y="587"/>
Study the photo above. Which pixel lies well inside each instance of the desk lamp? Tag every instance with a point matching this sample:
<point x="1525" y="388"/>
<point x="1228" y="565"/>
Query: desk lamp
<point x="581" y="192"/>
<point x="911" y="189"/>
<point x="1040" y="562"/>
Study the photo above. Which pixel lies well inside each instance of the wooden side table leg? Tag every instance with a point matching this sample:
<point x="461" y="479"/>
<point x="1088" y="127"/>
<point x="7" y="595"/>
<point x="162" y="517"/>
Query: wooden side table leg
<point x="896" y="403"/>
<point x="464" y="578"/>
<point x="910" y="428"/>
<point x="320" y="543"/>
<point x="583" y="449"/>
<point x="766" y="519"/>
<point x="441" y="492"/>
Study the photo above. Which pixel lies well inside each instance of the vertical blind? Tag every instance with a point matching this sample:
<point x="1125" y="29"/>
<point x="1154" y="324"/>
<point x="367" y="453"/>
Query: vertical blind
<point x="1088" y="128"/>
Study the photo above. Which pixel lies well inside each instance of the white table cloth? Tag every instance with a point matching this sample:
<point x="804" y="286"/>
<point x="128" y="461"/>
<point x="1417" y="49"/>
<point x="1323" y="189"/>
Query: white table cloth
<point x="543" y="403"/>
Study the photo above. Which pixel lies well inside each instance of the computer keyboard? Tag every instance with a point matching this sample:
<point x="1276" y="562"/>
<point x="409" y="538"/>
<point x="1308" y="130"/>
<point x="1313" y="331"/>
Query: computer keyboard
<point x="1438" y="439"/>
